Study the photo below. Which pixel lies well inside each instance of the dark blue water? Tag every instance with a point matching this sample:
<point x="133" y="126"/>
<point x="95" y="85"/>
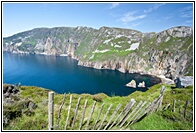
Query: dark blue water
<point x="62" y="74"/>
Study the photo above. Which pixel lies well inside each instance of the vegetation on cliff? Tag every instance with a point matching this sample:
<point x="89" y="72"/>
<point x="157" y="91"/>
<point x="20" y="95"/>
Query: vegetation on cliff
<point x="168" y="53"/>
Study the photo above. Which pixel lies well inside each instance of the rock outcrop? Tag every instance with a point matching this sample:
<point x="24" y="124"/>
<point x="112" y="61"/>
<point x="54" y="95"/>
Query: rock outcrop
<point x="131" y="84"/>
<point x="13" y="105"/>
<point x="142" y="84"/>
<point x="183" y="81"/>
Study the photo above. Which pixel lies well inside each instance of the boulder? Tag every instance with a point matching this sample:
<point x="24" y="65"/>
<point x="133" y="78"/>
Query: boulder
<point x="5" y="88"/>
<point x="183" y="81"/>
<point x="5" y="121"/>
<point x="6" y="95"/>
<point x="15" y="90"/>
<point x="141" y="84"/>
<point x="10" y="88"/>
<point x="131" y="84"/>
<point x="32" y="105"/>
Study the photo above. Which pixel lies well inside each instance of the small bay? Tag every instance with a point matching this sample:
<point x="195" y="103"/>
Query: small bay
<point x="62" y="74"/>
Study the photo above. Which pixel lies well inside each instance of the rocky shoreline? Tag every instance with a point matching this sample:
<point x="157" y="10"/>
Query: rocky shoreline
<point x="99" y="65"/>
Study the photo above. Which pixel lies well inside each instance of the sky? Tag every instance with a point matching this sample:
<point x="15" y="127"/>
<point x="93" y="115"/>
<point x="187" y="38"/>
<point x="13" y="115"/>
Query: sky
<point x="144" y="17"/>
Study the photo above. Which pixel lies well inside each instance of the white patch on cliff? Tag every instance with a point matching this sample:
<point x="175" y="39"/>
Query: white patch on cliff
<point x="11" y="43"/>
<point x="63" y="55"/>
<point x="134" y="46"/>
<point x="101" y="51"/>
<point x="118" y="36"/>
<point x="129" y="42"/>
<point x="117" y="46"/>
<point x="167" y="39"/>
<point x="109" y="32"/>
<point x="92" y="57"/>
<point x="106" y="41"/>
<point x="18" y="44"/>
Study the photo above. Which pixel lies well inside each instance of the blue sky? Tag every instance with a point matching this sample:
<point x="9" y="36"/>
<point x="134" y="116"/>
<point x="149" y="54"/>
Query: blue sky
<point x="145" y="17"/>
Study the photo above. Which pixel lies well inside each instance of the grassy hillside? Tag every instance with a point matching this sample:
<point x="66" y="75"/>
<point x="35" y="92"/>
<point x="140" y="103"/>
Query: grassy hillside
<point x="37" y="119"/>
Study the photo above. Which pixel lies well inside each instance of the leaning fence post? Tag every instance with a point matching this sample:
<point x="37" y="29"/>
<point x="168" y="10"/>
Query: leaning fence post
<point x="50" y="110"/>
<point x="178" y="106"/>
<point x="60" y="108"/>
<point x="100" y="112"/>
<point x="105" y="117"/>
<point x="114" y="113"/>
<point x="83" y="114"/>
<point x="90" y="115"/>
<point x="174" y="107"/>
<point x="70" y="101"/>
<point x="185" y="107"/>
<point x="76" y="111"/>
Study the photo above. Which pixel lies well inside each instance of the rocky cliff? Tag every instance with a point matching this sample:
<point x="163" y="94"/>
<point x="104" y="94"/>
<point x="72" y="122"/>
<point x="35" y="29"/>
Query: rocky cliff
<point x="168" y="53"/>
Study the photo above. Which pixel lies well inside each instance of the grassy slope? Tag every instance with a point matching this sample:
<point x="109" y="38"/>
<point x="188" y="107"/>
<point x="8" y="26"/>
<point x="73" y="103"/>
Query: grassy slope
<point x="155" y="121"/>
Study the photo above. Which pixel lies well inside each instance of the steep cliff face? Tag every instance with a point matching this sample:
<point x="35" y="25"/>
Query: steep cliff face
<point x="168" y="53"/>
<point x="55" y="41"/>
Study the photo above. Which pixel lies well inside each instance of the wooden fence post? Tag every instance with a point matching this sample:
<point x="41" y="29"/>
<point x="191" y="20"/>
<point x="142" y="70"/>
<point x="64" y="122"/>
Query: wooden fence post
<point x="132" y="113"/>
<point x="76" y="111"/>
<point x="185" y="106"/>
<point x="105" y="117"/>
<point x="161" y="99"/>
<point x="90" y="115"/>
<point x="157" y="102"/>
<point x="50" y="110"/>
<point x="137" y="113"/>
<point x="174" y="107"/>
<point x="114" y="113"/>
<point x="60" y="108"/>
<point x="98" y="115"/>
<point x="83" y="114"/>
<point x="125" y="108"/>
<point x="140" y="115"/>
<point x="178" y="106"/>
<point x="68" y="111"/>
<point x="126" y="113"/>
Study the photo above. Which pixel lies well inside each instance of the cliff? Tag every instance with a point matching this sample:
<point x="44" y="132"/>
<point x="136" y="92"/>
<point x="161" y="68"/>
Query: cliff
<point x="168" y="53"/>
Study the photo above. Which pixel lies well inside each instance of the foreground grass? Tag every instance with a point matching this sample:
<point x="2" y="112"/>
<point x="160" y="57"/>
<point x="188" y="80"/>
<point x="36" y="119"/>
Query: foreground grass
<point x="153" y="122"/>
<point x="157" y="121"/>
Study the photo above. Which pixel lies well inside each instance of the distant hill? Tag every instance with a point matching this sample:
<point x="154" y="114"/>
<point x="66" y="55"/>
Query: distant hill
<point x="168" y="53"/>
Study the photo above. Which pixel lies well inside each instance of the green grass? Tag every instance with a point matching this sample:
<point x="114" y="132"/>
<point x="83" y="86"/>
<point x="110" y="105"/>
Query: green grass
<point x="156" y="121"/>
<point x="153" y="122"/>
<point x="112" y="54"/>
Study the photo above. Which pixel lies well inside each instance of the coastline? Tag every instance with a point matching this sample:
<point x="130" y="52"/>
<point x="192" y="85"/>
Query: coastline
<point x="162" y="78"/>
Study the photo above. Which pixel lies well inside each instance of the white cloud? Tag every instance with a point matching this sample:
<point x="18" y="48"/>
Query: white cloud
<point x="136" y="24"/>
<point x="129" y="17"/>
<point x="155" y="7"/>
<point x="186" y="12"/>
<point x="189" y="21"/>
<point x="186" y="8"/>
<point x="114" y="5"/>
